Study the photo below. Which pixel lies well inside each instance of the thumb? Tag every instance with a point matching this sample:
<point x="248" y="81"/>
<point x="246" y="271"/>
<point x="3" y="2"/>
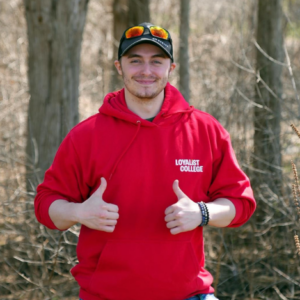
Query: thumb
<point x="179" y="193"/>
<point x="102" y="187"/>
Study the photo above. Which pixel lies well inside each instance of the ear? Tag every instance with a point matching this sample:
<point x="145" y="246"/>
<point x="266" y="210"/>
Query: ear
<point x="118" y="66"/>
<point x="172" y="68"/>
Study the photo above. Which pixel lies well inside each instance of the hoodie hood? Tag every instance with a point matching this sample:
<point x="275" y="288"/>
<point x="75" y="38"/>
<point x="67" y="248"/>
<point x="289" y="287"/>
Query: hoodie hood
<point x="174" y="104"/>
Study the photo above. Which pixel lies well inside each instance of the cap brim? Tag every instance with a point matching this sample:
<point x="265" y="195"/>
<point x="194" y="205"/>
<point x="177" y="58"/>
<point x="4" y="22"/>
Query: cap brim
<point x="164" y="45"/>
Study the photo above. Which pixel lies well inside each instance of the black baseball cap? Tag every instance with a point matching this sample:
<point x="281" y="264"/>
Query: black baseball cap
<point x="150" y="33"/>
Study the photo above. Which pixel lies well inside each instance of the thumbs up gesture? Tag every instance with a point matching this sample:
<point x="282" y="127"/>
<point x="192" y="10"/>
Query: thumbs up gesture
<point x="95" y="213"/>
<point x="184" y="215"/>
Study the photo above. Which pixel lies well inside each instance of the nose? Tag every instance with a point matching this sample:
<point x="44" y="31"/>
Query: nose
<point x="146" y="70"/>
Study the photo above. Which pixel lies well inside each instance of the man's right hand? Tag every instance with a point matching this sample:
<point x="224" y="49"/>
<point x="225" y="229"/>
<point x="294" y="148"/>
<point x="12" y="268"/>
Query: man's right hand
<point x="95" y="213"/>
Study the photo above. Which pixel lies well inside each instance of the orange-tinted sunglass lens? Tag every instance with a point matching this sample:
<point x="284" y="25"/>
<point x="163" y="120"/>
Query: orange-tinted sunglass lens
<point x="159" y="32"/>
<point x="134" y="32"/>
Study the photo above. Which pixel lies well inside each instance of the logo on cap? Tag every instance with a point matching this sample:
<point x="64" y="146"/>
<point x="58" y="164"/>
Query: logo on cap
<point x="161" y="42"/>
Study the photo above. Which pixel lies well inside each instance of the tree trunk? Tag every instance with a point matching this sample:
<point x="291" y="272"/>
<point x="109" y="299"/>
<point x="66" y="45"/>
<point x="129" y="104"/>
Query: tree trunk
<point x="54" y="31"/>
<point x="267" y="116"/>
<point x="126" y="13"/>
<point x="138" y="12"/>
<point x="184" y="76"/>
<point x="120" y="23"/>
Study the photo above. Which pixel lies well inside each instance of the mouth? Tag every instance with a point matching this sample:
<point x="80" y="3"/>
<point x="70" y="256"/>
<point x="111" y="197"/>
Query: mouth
<point x="145" y="81"/>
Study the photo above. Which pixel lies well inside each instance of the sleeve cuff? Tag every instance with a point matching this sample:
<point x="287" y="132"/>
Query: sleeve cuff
<point x="44" y="211"/>
<point x="239" y="218"/>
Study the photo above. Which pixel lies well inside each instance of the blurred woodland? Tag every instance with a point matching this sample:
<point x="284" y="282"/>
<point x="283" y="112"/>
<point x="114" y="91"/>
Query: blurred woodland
<point x="238" y="60"/>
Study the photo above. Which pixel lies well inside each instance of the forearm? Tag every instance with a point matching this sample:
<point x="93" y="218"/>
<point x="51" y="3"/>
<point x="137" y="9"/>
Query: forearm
<point x="221" y="212"/>
<point x="63" y="214"/>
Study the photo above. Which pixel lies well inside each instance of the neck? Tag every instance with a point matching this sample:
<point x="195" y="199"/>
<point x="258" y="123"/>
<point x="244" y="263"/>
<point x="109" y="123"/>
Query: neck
<point x="144" y="107"/>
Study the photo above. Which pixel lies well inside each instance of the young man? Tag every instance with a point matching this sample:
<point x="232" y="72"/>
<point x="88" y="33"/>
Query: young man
<point x="166" y="171"/>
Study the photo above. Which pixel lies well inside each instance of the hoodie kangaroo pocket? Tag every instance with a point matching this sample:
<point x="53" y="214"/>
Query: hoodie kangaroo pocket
<point x="133" y="267"/>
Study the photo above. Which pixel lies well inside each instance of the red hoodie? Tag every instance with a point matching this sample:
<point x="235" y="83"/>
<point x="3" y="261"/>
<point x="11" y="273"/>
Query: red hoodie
<point x="141" y="259"/>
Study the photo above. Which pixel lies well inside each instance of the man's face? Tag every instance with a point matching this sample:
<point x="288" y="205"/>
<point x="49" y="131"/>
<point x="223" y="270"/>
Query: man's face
<point x="145" y="69"/>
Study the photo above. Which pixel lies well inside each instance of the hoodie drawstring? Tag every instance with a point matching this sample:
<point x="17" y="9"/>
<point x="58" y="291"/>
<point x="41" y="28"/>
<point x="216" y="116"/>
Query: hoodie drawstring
<point x="125" y="150"/>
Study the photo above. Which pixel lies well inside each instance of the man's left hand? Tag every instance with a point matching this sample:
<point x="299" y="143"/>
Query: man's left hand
<point x="184" y="215"/>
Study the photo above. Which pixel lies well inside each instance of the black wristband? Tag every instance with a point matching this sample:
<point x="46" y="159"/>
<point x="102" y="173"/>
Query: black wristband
<point x="204" y="213"/>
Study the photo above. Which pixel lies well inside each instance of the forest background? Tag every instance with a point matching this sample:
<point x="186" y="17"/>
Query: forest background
<point x="224" y="54"/>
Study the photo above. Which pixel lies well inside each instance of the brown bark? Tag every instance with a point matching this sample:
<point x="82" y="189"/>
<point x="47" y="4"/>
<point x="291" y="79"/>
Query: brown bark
<point x="138" y="12"/>
<point x="267" y="116"/>
<point x="126" y="13"/>
<point x="120" y="23"/>
<point x="54" y="30"/>
<point x="184" y="76"/>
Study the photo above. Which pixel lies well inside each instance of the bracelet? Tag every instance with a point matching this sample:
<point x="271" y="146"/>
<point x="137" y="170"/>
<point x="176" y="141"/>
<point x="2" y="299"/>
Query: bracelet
<point x="204" y="213"/>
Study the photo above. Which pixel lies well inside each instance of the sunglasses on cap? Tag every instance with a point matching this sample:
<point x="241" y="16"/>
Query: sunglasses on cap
<point x="155" y="31"/>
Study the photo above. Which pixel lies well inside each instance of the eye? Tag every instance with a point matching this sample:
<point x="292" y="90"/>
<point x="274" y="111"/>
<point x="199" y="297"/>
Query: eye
<point x="157" y="62"/>
<point x="135" y="61"/>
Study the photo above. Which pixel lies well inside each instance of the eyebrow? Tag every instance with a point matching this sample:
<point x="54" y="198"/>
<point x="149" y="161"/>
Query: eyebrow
<point x="162" y="55"/>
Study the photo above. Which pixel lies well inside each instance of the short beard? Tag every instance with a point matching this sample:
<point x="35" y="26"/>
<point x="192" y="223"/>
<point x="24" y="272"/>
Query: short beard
<point x="146" y="96"/>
